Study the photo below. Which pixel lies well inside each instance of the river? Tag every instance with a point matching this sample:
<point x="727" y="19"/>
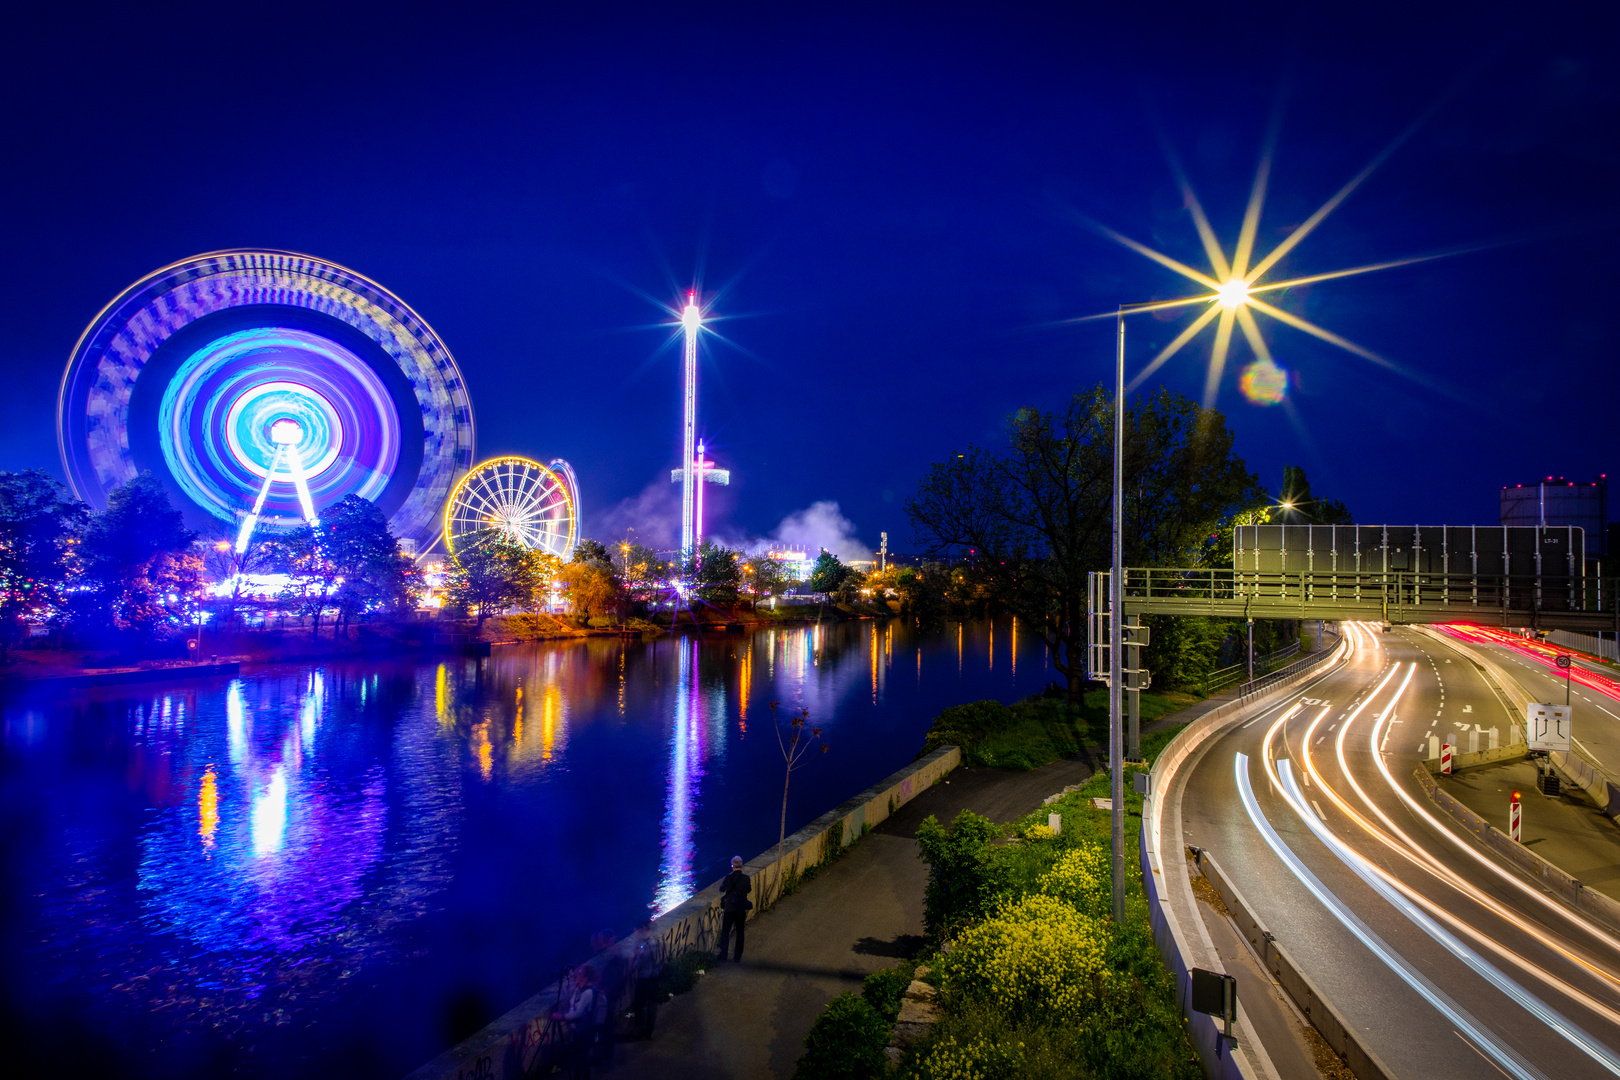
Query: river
<point x="345" y="867"/>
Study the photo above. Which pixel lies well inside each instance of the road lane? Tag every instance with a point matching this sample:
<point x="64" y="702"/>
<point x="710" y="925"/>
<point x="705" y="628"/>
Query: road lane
<point x="1495" y="941"/>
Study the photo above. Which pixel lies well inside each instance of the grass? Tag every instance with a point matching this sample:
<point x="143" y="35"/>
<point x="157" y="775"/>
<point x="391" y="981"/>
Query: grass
<point x="1037" y="730"/>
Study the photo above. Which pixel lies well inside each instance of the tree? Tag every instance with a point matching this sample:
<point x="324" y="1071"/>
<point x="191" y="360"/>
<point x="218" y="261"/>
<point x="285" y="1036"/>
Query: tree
<point x="490" y="572"/>
<point x="590" y="587"/>
<point x="714" y="574"/>
<point x="923" y="589"/>
<point x="828" y="573"/>
<point x="1035" y="514"/>
<point x="139" y="570"/>
<point x="231" y="570"/>
<point x="800" y="739"/>
<point x="765" y="576"/>
<point x="369" y="571"/>
<point x="40" y="525"/>
<point x="1297" y="506"/>
<point x="592" y="551"/>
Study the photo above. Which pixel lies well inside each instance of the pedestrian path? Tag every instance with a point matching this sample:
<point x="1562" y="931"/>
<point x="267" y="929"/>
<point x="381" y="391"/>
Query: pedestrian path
<point x="862" y="913"/>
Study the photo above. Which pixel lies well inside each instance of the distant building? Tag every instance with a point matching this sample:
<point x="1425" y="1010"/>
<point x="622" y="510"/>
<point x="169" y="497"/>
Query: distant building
<point x="1556" y="503"/>
<point x="795" y="561"/>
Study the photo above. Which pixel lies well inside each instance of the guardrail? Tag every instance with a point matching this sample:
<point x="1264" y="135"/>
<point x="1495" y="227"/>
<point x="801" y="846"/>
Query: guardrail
<point x="1169" y="934"/>
<point x="1274" y="958"/>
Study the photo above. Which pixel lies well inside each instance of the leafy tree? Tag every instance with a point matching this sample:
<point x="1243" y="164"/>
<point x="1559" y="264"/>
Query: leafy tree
<point x="370" y="572"/>
<point x="923" y="589"/>
<point x="592" y="551"/>
<point x="490" y="572"/>
<point x="544" y="570"/>
<point x="224" y="566"/>
<point x="828" y="573"/>
<point x="590" y="587"/>
<point x="39" y="528"/>
<point x="714" y="574"/>
<point x="1036" y="513"/>
<point x="765" y="576"/>
<point x="139" y="571"/>
<point x="1299" y="507"/>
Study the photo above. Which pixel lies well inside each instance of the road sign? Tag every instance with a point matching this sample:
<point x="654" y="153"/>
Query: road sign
<point x="1513" y="818"/>
<point x="1547" y="726"/>
<point x="1562" y="661"/>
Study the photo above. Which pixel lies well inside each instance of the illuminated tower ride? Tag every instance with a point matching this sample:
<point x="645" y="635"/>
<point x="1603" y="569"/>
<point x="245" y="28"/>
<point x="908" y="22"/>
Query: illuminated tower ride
<point x="695" y="470"/>
<point x="691" y="321"/>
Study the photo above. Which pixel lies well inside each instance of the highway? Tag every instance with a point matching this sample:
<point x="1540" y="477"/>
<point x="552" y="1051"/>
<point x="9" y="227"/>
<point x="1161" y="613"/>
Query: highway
<point x="1447" y="965"/>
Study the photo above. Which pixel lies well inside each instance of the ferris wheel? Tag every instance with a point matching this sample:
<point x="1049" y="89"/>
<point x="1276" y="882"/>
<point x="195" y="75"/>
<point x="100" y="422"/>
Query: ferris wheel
<point x="522" y="499"/>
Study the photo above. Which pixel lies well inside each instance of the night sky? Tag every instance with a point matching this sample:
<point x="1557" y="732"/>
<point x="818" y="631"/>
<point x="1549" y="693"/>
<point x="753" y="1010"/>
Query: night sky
<point x="888" y="208"/>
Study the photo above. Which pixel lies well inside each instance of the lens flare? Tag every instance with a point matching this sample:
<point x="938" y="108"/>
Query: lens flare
<point x="1263" y="382"/>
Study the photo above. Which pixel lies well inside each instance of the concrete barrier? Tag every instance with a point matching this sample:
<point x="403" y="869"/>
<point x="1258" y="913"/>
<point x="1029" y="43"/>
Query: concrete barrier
<point x="507" y="1048"/>
<point x="1172" y="938"/>
<point x="1558" y="882"/>
<point x="1481" y="757"/>
<point x="1294" y="982"/>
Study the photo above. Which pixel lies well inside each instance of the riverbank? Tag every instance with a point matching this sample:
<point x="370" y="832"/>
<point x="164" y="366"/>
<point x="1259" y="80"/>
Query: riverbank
<point x="866" y="914"/>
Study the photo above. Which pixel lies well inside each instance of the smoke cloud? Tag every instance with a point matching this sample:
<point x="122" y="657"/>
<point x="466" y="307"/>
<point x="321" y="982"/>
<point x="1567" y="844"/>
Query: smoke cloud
<point x="654" y="518"/>
<point x="822" y="525"/>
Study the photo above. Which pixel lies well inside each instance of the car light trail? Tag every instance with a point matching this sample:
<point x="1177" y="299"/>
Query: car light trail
<point x="1504" y="1056"/>
<point x="1423" y="860"/>
<point x="1528" y="1001"/>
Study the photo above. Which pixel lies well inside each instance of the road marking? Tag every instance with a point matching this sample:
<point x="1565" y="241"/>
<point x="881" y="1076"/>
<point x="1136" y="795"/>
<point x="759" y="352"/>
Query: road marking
<point x="1468" y="708"/>
<point x="1333" y="725"/>
<point x="1318" y="809"/>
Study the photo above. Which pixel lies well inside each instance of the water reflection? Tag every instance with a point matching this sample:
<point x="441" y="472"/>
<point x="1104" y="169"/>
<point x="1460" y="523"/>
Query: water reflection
<point x="285" y="859"/>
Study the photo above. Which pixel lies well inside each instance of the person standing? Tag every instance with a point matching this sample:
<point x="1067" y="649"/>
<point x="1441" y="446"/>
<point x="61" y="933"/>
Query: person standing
<point x="646" y="968"/>
<point x="581" y="1020"/>
<point x="734" y="907"/>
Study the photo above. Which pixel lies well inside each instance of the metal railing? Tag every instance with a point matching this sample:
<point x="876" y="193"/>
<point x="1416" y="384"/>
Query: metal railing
<point x="1557" y="602"/>
<point x="1223" y="678"/>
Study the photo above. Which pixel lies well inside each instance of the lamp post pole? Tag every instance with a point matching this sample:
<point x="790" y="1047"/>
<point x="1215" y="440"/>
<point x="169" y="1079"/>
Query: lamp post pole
<point x="1116" y="596"/>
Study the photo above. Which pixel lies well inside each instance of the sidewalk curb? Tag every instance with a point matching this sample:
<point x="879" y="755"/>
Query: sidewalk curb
<point x="1559" y="882"/>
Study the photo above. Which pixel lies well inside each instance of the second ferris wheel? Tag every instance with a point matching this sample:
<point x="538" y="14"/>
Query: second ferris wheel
<point x="534" y="505"/>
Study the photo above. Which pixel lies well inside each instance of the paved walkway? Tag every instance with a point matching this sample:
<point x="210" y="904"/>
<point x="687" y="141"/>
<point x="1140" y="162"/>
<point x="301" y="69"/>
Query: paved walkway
<point x="862" y="913"/>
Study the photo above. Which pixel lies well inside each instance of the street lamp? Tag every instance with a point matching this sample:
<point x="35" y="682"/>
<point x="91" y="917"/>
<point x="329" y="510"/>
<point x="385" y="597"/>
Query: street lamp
<point x="1231" y="296"/>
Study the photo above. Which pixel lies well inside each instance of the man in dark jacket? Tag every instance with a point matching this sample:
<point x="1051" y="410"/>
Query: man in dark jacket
<point x="734" y="905"/>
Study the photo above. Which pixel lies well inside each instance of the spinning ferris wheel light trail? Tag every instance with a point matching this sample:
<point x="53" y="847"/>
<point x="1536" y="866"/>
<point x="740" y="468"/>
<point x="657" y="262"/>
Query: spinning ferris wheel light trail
<point x="285" y="435"/>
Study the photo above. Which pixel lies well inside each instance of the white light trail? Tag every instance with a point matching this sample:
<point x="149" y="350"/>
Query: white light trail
<point x="1491" y="974"/>
<point x="1503" y="1055"/>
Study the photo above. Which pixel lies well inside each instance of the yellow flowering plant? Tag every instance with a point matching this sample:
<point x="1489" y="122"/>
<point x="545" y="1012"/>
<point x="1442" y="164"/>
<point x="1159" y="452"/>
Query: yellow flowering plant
<point x="1081" y="877"/>
<point x="1035" y="957"/>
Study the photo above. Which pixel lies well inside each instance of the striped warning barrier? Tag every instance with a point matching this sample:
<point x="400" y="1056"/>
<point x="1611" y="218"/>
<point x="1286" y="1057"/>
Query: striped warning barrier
<point x="1445" y="757"/>
<point x="1513" y="819"/>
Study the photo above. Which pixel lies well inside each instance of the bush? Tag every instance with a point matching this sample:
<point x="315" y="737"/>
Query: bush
<point x="961" y="875"/>
<point x="681" y="972"/>
<point x="845" y="1043"/>
<point x="1037" y="958"/>
<point x="1082" y="877"/>
<point x="883" y="990"/>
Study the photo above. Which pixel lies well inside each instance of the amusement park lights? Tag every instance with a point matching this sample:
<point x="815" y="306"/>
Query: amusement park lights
<point x="285" y="435"/>
<point x="691" y="322"/>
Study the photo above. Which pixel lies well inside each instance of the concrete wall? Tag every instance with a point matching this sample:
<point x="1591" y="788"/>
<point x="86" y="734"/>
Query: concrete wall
<point x="506" y="1048"/>
<point x="1179" y="945"/>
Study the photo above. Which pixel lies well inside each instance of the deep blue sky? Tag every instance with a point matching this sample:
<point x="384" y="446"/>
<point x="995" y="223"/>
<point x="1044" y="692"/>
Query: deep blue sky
<point x="886" y="204"/>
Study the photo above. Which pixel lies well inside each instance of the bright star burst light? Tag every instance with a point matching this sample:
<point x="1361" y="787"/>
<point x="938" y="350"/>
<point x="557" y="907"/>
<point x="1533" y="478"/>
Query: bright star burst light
<point x="1234" y="282"/>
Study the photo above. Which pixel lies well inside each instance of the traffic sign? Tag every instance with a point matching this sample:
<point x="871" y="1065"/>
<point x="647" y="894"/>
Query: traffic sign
<point x="1547" y="726"/>
<point x="1563" y="660"/>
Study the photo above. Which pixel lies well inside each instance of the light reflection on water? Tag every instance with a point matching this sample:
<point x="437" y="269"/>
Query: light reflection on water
<point x="304" y="862"/>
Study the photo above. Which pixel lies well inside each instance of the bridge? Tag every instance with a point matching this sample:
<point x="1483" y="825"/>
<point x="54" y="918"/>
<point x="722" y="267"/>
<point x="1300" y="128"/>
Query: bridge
<point x="1535" y="601"/>
<point x="1509" y="576"/>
